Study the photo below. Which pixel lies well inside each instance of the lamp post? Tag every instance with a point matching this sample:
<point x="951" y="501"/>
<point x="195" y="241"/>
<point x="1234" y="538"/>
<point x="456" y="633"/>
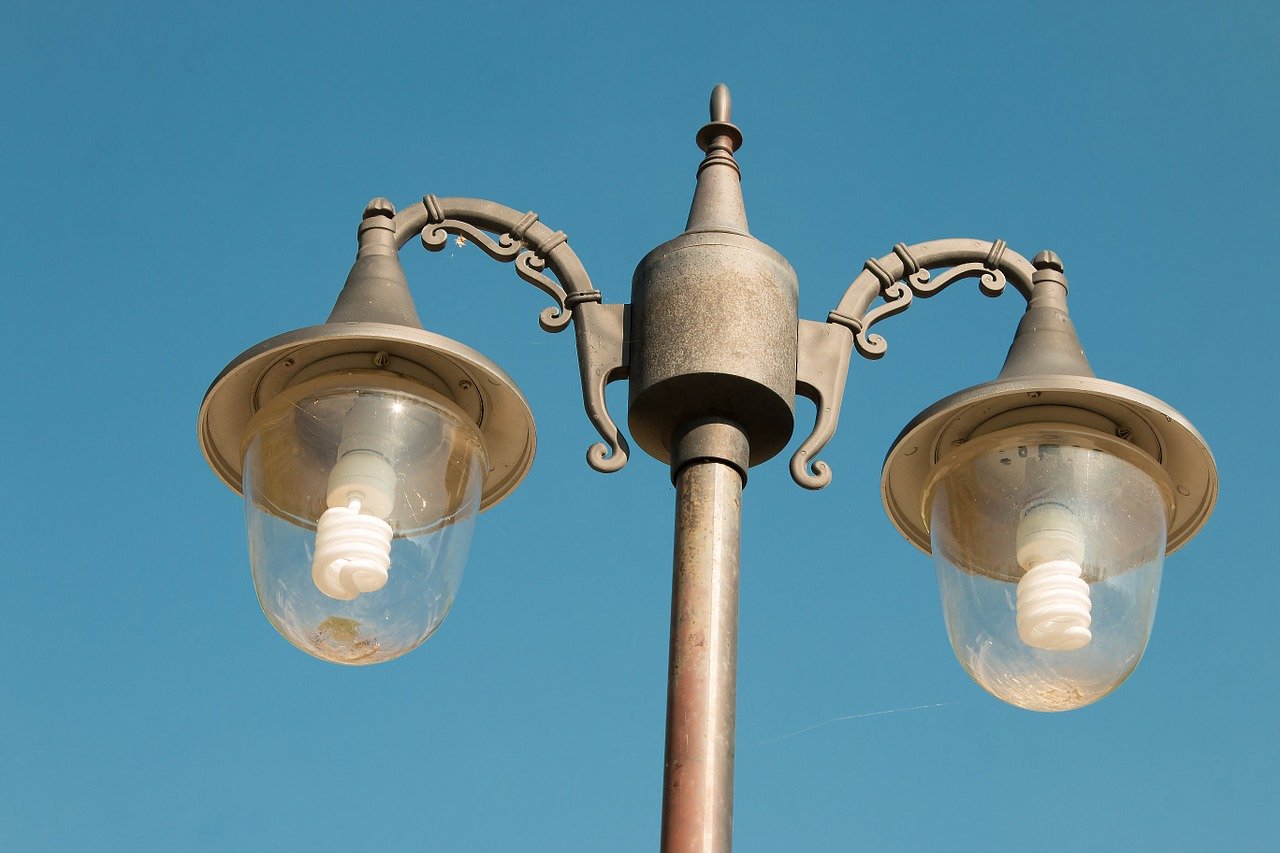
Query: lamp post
<point x="366" y="446"/>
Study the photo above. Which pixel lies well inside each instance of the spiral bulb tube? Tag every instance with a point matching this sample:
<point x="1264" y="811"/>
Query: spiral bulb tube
<point x="353" y="539"/>
<point x="353" y="552"/>
<point x="1053" y="604"/>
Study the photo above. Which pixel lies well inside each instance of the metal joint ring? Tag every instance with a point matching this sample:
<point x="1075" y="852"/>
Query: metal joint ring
<point x="435" y="213"/>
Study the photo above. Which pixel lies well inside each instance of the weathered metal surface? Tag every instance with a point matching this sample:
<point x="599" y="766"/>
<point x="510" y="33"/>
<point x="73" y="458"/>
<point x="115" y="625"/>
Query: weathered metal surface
<point x="697" y="803"/>
<point x="897" y="278"/>
<point x="714" y="317"/>
<point x="823" y="369"/>
<point x="534" y="248"/>
<point x="1046" y="369"/>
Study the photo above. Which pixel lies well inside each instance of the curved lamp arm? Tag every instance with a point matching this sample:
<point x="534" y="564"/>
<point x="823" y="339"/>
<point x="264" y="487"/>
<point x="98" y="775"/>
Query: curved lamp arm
<point x="534" y="247"/>
<point x="897" y="278"/>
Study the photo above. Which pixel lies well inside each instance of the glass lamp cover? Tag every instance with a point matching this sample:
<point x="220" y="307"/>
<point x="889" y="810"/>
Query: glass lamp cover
<point x="418" y="463"/>
<point x="1090" y="523"/>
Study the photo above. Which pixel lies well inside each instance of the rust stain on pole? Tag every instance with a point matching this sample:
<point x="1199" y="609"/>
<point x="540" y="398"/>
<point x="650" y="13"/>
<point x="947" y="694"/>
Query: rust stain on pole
<point x="697" y="807"/>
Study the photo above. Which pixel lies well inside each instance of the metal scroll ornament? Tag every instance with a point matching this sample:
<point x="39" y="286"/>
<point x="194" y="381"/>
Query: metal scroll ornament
<point x="530" y="261"/>
<point x="921" y="270"/>
<point x="919" y="281"/>
<point x="602" y="355"/>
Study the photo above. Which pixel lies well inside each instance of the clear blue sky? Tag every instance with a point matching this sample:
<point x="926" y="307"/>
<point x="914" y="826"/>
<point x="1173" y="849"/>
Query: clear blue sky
<point x="180" y="181"/>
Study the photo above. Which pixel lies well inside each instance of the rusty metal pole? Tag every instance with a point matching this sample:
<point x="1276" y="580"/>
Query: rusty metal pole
<point x="697" y="803"/>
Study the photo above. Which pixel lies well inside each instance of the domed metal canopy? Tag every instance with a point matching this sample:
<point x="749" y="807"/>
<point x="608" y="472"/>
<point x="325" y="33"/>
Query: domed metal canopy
<point x="1148" y="424"/>
<point x="474" y="383"/>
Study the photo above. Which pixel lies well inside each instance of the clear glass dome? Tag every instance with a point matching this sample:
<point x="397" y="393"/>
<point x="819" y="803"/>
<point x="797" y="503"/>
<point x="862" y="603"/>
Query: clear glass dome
<point x="1049" y="545"/>
<point x="360" y="498"/>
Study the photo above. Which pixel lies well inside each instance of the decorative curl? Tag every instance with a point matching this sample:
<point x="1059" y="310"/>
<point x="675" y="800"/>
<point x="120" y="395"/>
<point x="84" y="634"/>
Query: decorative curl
<point x="897" y="298"/>
<point x="920" y="282"/>
<point x="810" y="473"/>
<point x="436" y="234"/>
<point x="529" y="266"/>
<point x="532" y="248"/>
<point x="529" y="263"/>
<point x="896" y="279"/>
<point x="608" y="458"/>
<point x="990" y="282"/>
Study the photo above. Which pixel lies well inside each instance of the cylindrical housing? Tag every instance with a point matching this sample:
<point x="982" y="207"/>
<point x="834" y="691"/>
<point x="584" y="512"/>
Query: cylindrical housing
<point x="713" y="335"/>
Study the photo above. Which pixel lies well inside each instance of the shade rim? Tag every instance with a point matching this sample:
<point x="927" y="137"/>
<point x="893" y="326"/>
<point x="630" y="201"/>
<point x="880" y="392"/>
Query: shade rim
<point x="1154" y="427"/>
<point x="480" y="388"/>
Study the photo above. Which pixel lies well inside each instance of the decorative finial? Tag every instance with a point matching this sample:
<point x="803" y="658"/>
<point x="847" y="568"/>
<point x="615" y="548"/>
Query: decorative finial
<point x="721" y="103"/>
<point x="1047" y="260"/>
<point x="720" y="129"/>
<point x="379" y="207"/>
<point x="717" y="202"/>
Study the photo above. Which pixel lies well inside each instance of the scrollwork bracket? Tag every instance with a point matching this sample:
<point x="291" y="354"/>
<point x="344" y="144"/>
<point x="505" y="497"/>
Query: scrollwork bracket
<point x="897" y="279"/>
<point x="916" y="280"/>
<point x="530" y="257"/>
<point x="534" y="249"/>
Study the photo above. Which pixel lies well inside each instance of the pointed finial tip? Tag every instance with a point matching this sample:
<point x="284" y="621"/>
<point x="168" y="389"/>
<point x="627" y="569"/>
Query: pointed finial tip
<point x="720" y="126"/>
<point x="721" y="103"/>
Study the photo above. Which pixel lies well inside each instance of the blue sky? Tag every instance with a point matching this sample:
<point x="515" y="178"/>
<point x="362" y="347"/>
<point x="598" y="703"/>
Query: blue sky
<point x="181" y="181"/>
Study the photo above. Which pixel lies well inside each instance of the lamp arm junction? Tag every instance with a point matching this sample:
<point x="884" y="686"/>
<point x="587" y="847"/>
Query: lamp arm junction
<point x="534" y="248"/>
<point x="897" y="278"/>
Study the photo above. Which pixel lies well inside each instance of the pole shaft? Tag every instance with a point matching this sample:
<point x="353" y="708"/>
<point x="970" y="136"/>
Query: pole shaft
<point x="697" y="802"/>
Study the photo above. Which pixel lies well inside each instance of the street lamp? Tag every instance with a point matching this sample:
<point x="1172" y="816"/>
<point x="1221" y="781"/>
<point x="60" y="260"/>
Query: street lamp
<point x="366" y="446"/>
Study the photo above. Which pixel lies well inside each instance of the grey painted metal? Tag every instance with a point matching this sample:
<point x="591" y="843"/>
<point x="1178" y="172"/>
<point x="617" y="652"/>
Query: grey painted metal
<point x="713" y="317"/>
<point x="717" y="201"/>
<point x="1046" y="342"/>
<point x="374" y="331"/>
<point x="715" y="354"/>
<point x="1046" y="367"/>
<point x="898" y="278"/>
<point x="374" y="325"/>
<point x="376" y="290"/>
<point x="1046" y="378"/>
<point x="697" y="802"/>
<point x="710" y="439"/>
<point x="908" y="273"/>
<point x="533" y="247"/>
<point x="474" y="383"/>
<point x="825" y="352"/>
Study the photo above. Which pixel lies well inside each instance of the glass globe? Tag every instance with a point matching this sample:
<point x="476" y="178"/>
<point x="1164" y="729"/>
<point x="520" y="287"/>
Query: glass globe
<point x="1049" y="545"/>
<point x="360" y="497"/>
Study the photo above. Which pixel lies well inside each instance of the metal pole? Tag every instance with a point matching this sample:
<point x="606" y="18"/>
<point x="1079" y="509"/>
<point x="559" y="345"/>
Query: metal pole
<point x="697" y="802"/>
